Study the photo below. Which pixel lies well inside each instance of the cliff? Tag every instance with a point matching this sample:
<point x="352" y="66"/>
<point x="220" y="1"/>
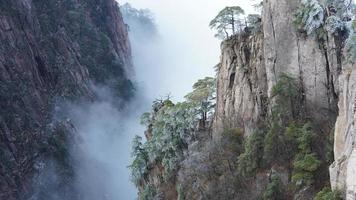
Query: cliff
<point x="53" y="51"/>
<point x="342" y="171"/>
<point x="271" y="135"/>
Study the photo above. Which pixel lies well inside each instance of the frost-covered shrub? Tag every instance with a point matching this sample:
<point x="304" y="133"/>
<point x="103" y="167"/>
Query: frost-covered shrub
<point x="334" y="25"/>
<point x="310" y="16"/>
<point x="254" y="22"/>
<point x="139" y="165"/>
<point x="148" y="193"/>
<point x="170" y="128"/>
<point x="340" y="8"/>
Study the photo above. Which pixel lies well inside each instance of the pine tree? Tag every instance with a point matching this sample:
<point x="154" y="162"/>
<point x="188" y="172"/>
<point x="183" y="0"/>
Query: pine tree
<point x="228" y="22"/>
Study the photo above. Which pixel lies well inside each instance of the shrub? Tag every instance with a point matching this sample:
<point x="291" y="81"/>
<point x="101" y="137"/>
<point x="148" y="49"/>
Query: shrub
<point x="139" y="166"/>
<point x="274" y="189"/>
<point x="171" y="126"/>
<point x="233" y="139"/>
<point x="309" y="16"/>
<point x="146" y="119"/>
<point x="286" y="92"/>
<point x="250" y="160"/>
<point x="335" y="25"/>
<point x="271" y="143"/>
<point x="148" y="193"/>
<point x="254" y="23"/>
<point x="304" y="167"/>
<point x="327" y="194"/>
<point x="306" y="162"/>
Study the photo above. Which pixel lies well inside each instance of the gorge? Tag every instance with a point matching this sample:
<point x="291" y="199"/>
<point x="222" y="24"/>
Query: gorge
<point x="276" y="122"/>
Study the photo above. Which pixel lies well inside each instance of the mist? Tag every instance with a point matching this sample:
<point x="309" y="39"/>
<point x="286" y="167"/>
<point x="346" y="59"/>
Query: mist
<point x="105" y="133"/>
<point x="171" y="50"/>
<point x="186" y="49"/>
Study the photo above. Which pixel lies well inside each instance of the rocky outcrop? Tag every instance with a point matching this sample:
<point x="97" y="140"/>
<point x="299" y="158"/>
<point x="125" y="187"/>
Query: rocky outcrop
<point x="251" y="66"/>
<point x="241" y="84"/>
<point x="52" y="51"/>
<point x="249" y="70"/>
<point x="314" y="63"/>
<point x="343" y="170"/>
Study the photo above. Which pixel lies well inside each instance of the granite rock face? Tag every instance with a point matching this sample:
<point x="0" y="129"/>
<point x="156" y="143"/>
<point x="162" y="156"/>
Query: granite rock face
<point x="52" y="51"/>
<point x="249" y="70"/>
<point x="241" y="84"/>
<point x="316" y="64"/>
<point x="343" y="170"/>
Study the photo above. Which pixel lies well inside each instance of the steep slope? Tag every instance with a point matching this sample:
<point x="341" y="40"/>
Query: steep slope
<point x="52" y="51"/>
<point x="277" y="95"/>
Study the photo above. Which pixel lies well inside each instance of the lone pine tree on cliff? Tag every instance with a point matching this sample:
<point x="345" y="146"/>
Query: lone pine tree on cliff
<point x="228" y="21"/>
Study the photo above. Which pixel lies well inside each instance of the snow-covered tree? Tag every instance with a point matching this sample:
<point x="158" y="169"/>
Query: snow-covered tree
<point x="171" y="127"/>
<point x="310" y="16"/>
<point x="139" y="165"/>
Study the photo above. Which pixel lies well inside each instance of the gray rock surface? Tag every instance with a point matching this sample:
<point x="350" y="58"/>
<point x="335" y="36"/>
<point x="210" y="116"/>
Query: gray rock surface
<point x="47" y="53"/>
<point x="343" y="170"/>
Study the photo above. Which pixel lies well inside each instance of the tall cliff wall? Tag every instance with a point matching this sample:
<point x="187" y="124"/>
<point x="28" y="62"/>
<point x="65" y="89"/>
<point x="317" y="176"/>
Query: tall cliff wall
<point x="253" y="67"/>
<point x="52" y="51"/>
<point x="343" y="171"/>
<point x="283" y="50"/>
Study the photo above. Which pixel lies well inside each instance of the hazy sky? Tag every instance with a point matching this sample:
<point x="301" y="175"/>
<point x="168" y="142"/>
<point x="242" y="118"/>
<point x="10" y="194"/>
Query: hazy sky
<point x="190" y="50"/>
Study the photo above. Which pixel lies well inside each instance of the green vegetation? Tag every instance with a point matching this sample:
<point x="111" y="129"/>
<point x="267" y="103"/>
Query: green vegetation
<point x="286" y="94"/>
<point x="228" y="22"/>
<point x="170" y="127"/>
<point x="203" y="97"/>
<point x="231" y="21"/>
<point x="70" y="20"/>
<point x="284" y="112"/>
<point x="139" y="166"/>
<point x="254" y="22"/>
<point x="285" y="140"/>
<point x="148" y="193"/>
<point x="250" y="160"/>
<point x="274" y="189"/>
<point x="327" y="194"/>
<point x="275" y="145"/>
<point x="306" y="162"/>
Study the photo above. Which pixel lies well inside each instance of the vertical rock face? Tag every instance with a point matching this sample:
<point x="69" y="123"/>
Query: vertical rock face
<point x="249" y="70"/>
<point x="343" y="170"/>
<point x="241" y="84"/>
<point x="314" y="63"/>
<point x="52" y="51"/>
